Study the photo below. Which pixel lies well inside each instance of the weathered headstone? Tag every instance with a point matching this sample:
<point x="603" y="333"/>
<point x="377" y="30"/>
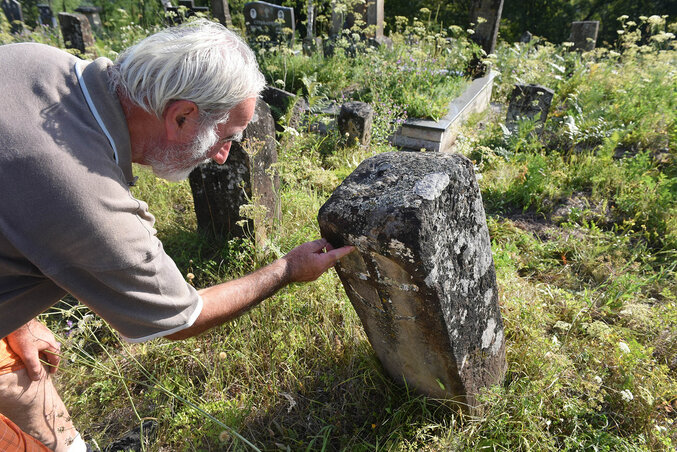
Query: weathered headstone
<point x="221" y="12"/>
<point x="526" y="37"/>
<point x="529" y="102"/>
<point x="246" y="178"/>
<point x="191" y="9"/>
<point x="76" y="31"/>
<point x="355" y="120"/>
<point x="584" y="35"/>
<point x="46" y="16"/>
<point x="92" y="15"/>
<point x="14" y="15"/>
<point x="486" y="14"/>
<point x="262" y="18"/>
<point x="280" y="101"/>
<point x="422" y="279"/>
<point x="371" y="11"/>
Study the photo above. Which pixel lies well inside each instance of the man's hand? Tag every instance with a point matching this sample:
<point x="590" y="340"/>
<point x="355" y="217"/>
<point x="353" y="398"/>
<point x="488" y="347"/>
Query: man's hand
<point x="308" y="261"/>
<point x="32" y="342"/>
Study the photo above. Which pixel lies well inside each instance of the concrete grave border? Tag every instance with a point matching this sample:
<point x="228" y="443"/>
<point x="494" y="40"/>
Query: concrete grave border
<point x="439" y="135"/>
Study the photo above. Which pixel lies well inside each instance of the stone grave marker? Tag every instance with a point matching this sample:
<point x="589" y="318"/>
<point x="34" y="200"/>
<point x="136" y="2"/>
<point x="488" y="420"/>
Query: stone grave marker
<point x="486" y="15"/>
<point x="422" y="279"/>
<point x="221" y="12"/>
<point x="529" y="102"/>
<point x="46" y="16"/>
<point x="372" y="12"/>
<point x="584" y="35"/>
<point x="92" y="15"/>
<point x="14" y="15"/>
<point x="220" y="190"/>
<point x="191" y="9"/>
<point x="355" y="120"/>
<point x="526" y="37"/>
<point x="280" y="101"/>
<point x="262" y="18"/>
<point x="76" y="31"/>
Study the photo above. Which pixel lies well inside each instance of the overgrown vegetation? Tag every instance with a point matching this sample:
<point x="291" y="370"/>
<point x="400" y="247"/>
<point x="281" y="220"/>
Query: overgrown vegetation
<point x="583" y="220"/>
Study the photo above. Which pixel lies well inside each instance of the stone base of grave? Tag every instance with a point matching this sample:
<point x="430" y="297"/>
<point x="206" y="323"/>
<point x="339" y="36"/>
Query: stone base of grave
<point x="422" y="279"/>
<point x="417" y="134"/>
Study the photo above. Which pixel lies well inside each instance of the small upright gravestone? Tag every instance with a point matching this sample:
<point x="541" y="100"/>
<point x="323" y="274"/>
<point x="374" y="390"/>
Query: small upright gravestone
<point x="355" y="120"/>
<point x="76" y="31"/>
<point x="14" y="15"/>
<point x="372" y="12"/>
<point x="262" y="18"/>
<point x="46" y="16"/>
<point x="584" y="35"/>
<point x="486" y="14"/>
<point x="245" y="179"/>
<point x="92" y="15"/>
<point x="221" y="12"/>
<point x="529" y="102"/>
<point x="422" y="279"/>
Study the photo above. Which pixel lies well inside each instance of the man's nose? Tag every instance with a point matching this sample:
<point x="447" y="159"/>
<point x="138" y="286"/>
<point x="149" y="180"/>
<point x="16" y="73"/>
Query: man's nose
<point x="221" y="156"/>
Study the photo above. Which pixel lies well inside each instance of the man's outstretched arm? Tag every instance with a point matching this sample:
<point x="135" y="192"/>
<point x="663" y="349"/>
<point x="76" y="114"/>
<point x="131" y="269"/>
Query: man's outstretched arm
<point x="226" y="301"/>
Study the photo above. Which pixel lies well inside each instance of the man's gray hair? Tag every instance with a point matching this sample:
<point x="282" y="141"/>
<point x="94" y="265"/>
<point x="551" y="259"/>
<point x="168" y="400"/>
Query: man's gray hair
<point x="200" y="61"/>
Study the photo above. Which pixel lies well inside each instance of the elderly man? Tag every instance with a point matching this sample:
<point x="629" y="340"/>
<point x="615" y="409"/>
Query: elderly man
<point x="69" y="133"/>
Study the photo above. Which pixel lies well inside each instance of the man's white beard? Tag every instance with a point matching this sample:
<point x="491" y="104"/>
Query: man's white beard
<point x="174" y="163"/>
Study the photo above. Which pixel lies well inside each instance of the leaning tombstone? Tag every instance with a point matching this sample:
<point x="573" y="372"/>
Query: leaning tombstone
<point x="221" y="12"/>
<point x="275" y="23"/>
<point x="526" y="37"/>
<point x="530" y="102"/>
<point x="14" y="15"/>
<point x="46" y="16"/>
<point x="92" y="15"/>
<point x="422" y="279"/>
<point x="239" y="198"/>
<point x="77" y="33"/>
<point x="354" y="121"/>
<point x="486" y="14"/>
<point x="584" y="35"/>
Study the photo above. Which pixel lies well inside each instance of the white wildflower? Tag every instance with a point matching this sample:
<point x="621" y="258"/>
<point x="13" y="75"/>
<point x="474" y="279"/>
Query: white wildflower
<point x="598" y="379"/>
<point x="627" y="395"/>
<point x="624" y="347"/>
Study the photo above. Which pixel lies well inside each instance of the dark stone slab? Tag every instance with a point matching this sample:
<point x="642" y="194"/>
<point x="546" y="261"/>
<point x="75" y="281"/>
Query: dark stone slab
<point x="371" y="12"/>
<point x="280" y="101"/>
<point x="76" y="31"/>
<point x="422" y="279"/>
<point x="220" y="190"/>
<point x="14" y="15"/>
<point x="584" y="35"/>
<point x="92" y="14"/>
<point x="526" y="37"/>
<point x="486" y="32"/>
<point x="262" y="18"/>
<point x="46" y="16"/>
<point x="355" y="120"/>
<point x="529" y="102"/>
<point x="221" y="12"/>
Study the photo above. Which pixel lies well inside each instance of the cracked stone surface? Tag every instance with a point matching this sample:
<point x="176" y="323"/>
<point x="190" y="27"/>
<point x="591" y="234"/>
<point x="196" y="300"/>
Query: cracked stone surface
<point x="422" y="279"/>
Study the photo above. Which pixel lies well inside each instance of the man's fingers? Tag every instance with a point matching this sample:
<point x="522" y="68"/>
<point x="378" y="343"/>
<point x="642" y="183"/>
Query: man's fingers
<point x="53" y="359"/>
<point x="338" y="253"/>
<point x="33" y="367"/>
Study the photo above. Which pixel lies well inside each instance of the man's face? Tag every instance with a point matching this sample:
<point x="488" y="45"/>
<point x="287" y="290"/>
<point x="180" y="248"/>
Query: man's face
<point x="175" y="162"/>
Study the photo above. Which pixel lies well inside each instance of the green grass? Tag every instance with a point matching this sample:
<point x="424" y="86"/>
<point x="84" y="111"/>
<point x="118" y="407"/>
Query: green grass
<point x="584" y="236"/>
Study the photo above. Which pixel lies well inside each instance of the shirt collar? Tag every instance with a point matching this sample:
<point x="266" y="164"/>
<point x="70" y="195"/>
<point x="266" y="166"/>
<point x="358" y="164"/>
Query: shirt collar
<point x="105" y="106"/>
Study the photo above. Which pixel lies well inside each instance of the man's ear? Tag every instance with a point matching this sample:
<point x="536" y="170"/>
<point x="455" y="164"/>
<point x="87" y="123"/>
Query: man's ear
<point x="181" y="120"/>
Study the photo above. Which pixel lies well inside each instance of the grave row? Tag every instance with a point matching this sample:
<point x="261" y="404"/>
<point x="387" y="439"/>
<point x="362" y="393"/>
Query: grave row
<point x="277" y="23"/>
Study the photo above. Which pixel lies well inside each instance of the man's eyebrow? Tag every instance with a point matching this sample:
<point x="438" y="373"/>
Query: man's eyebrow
<point x="237" y="137"/>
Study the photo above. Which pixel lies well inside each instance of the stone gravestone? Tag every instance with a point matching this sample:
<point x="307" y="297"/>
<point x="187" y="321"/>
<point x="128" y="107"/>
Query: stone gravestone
<point x="191" y="9"/>
<point x="372" y="12"/>
<point x="355" y="120"/>
<point x="76" y="31"/>
<point x="280" y="101"/>
<point x="584" y="35"/>
<point x="221" y="12"/>
<point x="220" y="190"/>
<point x="529" y="102"/>
<point x="262" y="18"/>
<point x="14" y="15"/>
<point x="486" y="15"/>
<point x="526" y="37"/>
<point x="92" y="15"/>
<point x="422" y="279"/>
<point x="46" y="16"/>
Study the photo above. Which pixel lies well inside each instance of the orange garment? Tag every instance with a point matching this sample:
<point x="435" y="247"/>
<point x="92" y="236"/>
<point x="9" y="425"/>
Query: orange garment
<point x="9" y="361"/>
<point x="13" y="439"/>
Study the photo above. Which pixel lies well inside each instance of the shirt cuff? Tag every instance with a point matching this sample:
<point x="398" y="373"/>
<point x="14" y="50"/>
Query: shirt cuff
<point x="193" y="317"/>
